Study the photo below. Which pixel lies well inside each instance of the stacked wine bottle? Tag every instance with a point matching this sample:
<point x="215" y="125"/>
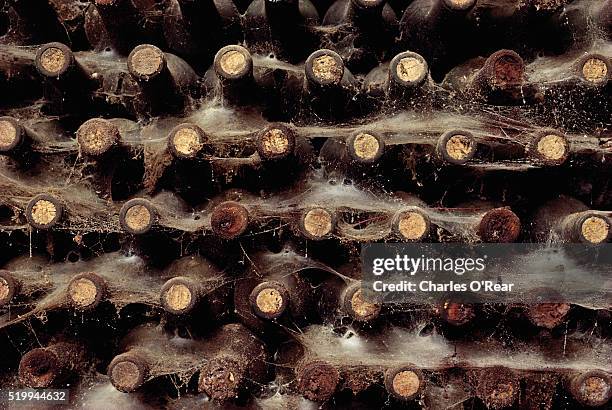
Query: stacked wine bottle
<point x="186" y="185"/>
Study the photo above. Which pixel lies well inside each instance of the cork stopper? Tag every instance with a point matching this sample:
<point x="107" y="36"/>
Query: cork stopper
<point x="233" y="62"/>
<point x="97" y="136"/>
<point x="53" y="59"/>
<point x="404" y="383"/>
<point x="504" y="68"/>
<point x="366" y="147"/>
<point x="499" y="225"/>
<point x="547" y="315"/>
<point x="358" y="306"/>
<point x="86" y="290"/>
<point x="146" y="62"/>
<point x="39" y="368"/>
<point x="460" y="5"/>
<point x="412" y="225"/>
<point x="11" y="134"/>
<point x="500" y="394"/>
<point x="186" y="140"/>
<point x="317" y="381"/>
<point x="43" y="211"/>
<point x="457" y="147"/>
<point x="179" y="295"/>
<point x="552" y="148"/>
<point x="595" y="229"/>
<point x="9" y="287"/>
<point x="275" y="141"/>
<point x="269" y="300"/>
<point x="317" y="223"/>
<point x="595" y="70"/>
<point x="408" y="69"/>
<point x="229" y="220"/>
<point x="137" y="216"/>
<point x="325" y="67"/>
<point x="592" y="388"/>
<point x="127" y="372"/>
<point x="221" y="379"/>
<point x="456" y="314"/>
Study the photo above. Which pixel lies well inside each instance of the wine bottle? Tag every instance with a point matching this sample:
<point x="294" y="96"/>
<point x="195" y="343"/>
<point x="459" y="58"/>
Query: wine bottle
<point x="590" y="388"/>
<point x="317" y="223"/>
<point x="281" y="27"/>
<point x="404" y="382"/>
<point x="497" y="387"/>
<point x="566" y="219"/>
<point x="368" y="29"/>
<point x="49" y="366"/>
<point x="137" y="216"/>
<point x="44" y="211"/>
<point x="340" y="298"/>
<point x="233" y="66"/>
<point x="16" y="139"/>
<point x="166" y="80"/>
<point x="329" y="85"/>
<point x="187" y="141"/>
<point x="97" y="137"/>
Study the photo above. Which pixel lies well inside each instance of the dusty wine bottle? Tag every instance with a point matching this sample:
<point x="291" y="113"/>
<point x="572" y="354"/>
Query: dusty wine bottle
<point x="591" y="388"/>
<point x="497" y="387"/>
<point x="404" y="382"/>
<point x="229" y="219"/>
<point x="51" y="365"/>
<point x="44" y="211"/>
<point x="566" y="219"/>
<point x="34" y="22"/>
<point x="317" y="380"/>
<point x="233" y="66"/>
<point x="338" y="298"/>
<point x="594" y="70"/>
<point x="97" y="137"/>
<point x="369" y="26"/>
<point x="281" y="27"/>
<point x="16" y="139"/>
<point x="317" y="223"/>
<point x="166" y="80"/>
<point x="549" y="147"/>
<point x="456" y="147"/>
<point x="187" y="141"/>
<point x="137" y="216"/>
<point x="23" y="280"/>
<point x="547" y="315"/>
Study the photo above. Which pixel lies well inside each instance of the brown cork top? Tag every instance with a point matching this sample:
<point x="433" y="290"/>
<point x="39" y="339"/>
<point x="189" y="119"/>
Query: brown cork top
<point x="229" y="219"/>
<point x="126" y="375"/>
<point x="178" y="297"/>
<point x="83" y="292"/>
<point x="275" y="142"/>
<point x="363" y="309"/>
<point x="507" y="69"/>
<point x="595" y="229"/>
<point x="317" y="381"/>
<point x="43" y="212"/>
<point x="406" y="383"/>
<point x="317" y="222"/>
<point x="547" y="315"/>
<point x="326" y="69"/>
<point x="38" y="368"/>
<point x="146" y="61"/>
<point x="412" y="225"/>
<point x="552" y="147"/>
<point x="53" y="60"/>
<point x="233" y="62"/>
<point x="366" y="146"/>
<point x="187" y="141"/>
<point x="269" y="301"/>
<point x="501" y="394"/>
<point x="410" y="69"/>
<point x="138" y="217"/>
<point x="459" y="146"/>
<point x="457" y="313"/>
<point x="595" y="390"/>
<point x="595" y="70"/>
<point x="96" y="136"/>
<point x="499" y="225"/>
<point x="8" y="134"/>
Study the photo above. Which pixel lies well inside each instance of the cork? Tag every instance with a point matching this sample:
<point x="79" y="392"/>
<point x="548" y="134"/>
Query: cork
<point x="410" y="69"/>
<point x="552" y="147"/>
<point x="178" y="297"/>
<point x="53" y="60"/>
<point x="221" y="379"/>
<point x="595" y="70"/>
<point x="83" y="292"/>
<point x="146" y="61"/>
<point x="326" y="69"/>
<point x="507" y="69"/>
<point x="43" y="212"/>
<point x="317" y="381"/>
<point x="501" y="395"/>
<point x="275" y="142"/>
<point x="233" y="62"/>
<point x="39" y="368"/>
<point x="412" y="225"/>
<point x="595" y="229"/>
<point x="96" y="136"/>
<point x="187" y="141"/>
<point x="406" y="383"/>
<point x="547" y="315"/>
<point x="366" y="146"/>
<point x="363" y="309"/>
<point x="499" y="225"/>
<point x="5" y="290"/>
<point x="138" y="218"/>
<point x="457" y="314"/>
<point x="594" y="390"/>
<point x="269" y="301"/>
<point x="229" y="220"/>
<point x="8" y="135"/>
<point x="126" y="376"/>
<point x="317" y="223"/>
<point x="459" y="147"/>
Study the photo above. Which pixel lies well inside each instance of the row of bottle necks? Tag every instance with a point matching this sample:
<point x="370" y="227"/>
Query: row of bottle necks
<point x="364" y="32"/>
<point x="152" y="82"/>
<point x="232" y="363"/>
<point x="267" y="301"/>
